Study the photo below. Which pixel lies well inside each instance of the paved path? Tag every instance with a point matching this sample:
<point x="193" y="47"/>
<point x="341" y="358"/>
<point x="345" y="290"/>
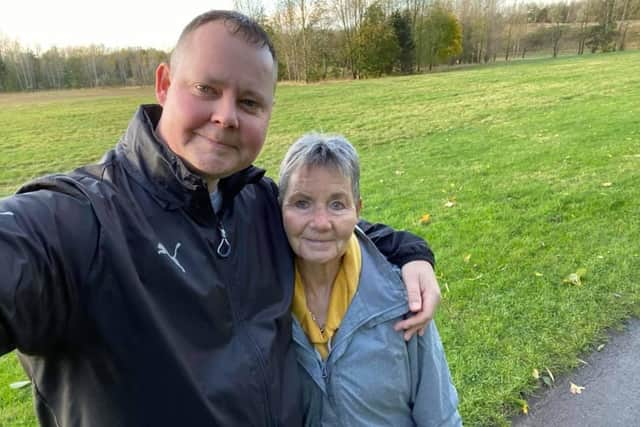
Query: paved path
<point x="611" y="395"/>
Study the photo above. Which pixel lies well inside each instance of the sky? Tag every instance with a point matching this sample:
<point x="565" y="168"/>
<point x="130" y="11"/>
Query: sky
<point x="112" y="23"/>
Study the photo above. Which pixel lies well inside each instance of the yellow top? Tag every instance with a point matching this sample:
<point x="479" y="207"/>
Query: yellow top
<point x="344" y="288"/>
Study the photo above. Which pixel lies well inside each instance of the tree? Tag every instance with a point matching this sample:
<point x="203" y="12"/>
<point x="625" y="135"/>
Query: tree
<point x="559" y="14"/>
<point x="443" y="36"/>
<point x="350" y="15"/>
<point x="602" y="36"/>
<point x="294" y="25"/>
<point x="629" y="9"/>
<point x="254" y="9"/>
<point x="516" y="29"/>
<point x="3" y="73"/>
<point x="584" y="16"/>
<point x="377" y="45"/>
<point x="401" y="23"/>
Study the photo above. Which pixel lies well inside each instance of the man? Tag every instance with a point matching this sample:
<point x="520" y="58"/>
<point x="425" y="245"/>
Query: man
<point x="153" y="288"/>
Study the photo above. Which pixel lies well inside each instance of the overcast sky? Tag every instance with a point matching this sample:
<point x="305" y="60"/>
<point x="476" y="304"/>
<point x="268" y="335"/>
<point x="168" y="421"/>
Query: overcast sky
<point x="113" y="23"/>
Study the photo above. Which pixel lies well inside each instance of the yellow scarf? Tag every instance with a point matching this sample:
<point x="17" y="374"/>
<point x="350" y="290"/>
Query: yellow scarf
<point x="344" y="288"/>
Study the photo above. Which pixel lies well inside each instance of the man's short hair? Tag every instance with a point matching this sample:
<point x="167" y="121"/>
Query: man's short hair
<point x="237" y="24"/>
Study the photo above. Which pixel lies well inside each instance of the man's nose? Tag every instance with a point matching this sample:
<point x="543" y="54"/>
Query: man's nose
<point x="225" y="112"/>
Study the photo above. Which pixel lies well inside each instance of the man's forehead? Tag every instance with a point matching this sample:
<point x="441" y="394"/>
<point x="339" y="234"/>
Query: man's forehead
<point x="208" y="35"/>
<point x="215" y="30"/>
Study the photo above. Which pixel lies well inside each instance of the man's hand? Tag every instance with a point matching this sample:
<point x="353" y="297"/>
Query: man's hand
<point x="424" y="297"/>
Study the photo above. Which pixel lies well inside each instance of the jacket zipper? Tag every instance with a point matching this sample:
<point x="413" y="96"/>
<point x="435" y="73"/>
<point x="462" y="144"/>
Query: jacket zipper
<point x="224" y="248"/>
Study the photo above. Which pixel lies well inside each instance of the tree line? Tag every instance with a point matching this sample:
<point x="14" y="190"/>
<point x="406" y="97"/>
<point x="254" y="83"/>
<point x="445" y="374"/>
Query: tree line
<point x="327" y="39"/>
<point x="23" y="69"/>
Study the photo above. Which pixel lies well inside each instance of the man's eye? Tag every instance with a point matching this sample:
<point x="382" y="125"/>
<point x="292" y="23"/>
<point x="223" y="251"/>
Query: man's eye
<point x="250" y="104"/>
<point x="337" y="205"/>
<point x="204" y="89"/>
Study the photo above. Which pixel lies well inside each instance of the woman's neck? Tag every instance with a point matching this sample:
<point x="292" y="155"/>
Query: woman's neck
<point x="318" y="275"/>
<point x="317" y="279"/>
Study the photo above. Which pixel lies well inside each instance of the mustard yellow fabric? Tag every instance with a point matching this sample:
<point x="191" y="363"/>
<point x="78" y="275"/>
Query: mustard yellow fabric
<point x="344" y="288"/>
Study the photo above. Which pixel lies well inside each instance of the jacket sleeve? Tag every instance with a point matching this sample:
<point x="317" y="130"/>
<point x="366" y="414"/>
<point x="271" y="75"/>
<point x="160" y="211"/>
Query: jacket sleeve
<point x="435" y="400"/>
<point x="399" y="247"/>
<point x="47" y="242"/>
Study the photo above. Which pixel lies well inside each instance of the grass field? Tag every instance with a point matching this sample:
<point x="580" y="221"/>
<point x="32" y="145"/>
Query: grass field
<point x="529" y="172"/>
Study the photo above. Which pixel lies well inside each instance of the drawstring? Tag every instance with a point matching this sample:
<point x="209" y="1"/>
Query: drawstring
<point x="224" y="248"/>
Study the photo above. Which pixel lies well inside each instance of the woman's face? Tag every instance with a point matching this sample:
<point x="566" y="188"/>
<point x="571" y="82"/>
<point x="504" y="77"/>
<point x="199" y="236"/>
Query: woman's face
<point x="319" y="213"/>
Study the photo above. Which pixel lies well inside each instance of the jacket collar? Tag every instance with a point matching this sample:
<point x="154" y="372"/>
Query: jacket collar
<point x="161" y="172"/>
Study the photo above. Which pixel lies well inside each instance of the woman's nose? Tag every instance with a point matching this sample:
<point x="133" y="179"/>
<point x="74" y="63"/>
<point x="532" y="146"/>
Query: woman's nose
<point x="321" y="219"/>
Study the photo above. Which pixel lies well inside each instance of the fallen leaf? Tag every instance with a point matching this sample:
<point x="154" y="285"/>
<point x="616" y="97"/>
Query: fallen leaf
<point x="536" y="374"/>
<point x="425" y="219"/>
<point x="525" y="408"/>
<point x="550" y="375"/>
<point x="467" y="257"/>
<point x="600" y="347"/>
<point x="576" y="389"/>
<point x="575" y="278"/>
<point x="607" y="184"/>
<point x="450" y="204"/>
<point x="538" y="274"/>
<point x="399" y="172"/>
<point x="19" y="384"/>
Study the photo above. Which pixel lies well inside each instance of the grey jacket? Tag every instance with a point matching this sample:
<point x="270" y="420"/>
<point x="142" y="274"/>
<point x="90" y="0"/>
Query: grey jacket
<point x="372" y="377"/>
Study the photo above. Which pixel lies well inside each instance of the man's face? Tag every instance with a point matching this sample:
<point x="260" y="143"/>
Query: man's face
<point x="217" y="102"/>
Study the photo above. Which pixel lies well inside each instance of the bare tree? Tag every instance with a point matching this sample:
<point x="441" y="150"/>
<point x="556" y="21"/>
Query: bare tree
<point x="629" y="8"/>
<point x="252" y="8"/>
<point x="350" y="15"/>
<point x="516" y="29"/>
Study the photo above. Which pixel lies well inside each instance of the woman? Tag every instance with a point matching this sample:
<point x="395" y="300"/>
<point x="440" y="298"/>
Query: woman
<point x="356" y="369"/>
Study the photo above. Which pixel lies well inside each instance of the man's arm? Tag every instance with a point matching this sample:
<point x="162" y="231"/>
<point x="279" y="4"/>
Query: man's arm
<point x="417" y="260"/>
<point x="43" y="251"/>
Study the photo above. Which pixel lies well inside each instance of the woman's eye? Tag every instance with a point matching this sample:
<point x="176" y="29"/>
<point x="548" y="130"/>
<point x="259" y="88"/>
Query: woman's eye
<point x="301" y="204"/>
<point x="337" y="205"/>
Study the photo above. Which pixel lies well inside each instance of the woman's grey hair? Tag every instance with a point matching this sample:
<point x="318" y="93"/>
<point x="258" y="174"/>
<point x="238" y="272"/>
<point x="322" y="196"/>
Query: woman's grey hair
<point x="315" y="149"/>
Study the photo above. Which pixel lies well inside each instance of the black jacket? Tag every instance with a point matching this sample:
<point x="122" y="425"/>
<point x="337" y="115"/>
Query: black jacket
<point x="127" y="310"/>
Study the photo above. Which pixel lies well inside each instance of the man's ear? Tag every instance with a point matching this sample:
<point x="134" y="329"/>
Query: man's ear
<point x="163" y="81"/>
<point x="359" y="207"/>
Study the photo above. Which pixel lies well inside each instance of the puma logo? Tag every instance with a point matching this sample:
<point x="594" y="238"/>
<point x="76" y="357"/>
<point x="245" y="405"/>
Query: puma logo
<point x="163" y="251"/>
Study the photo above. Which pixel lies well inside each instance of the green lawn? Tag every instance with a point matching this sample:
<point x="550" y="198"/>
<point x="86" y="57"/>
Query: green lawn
<point x="529" y="172"/>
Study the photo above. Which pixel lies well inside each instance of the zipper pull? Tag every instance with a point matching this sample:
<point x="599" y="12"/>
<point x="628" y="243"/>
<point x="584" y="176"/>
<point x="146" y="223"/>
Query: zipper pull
<point x="224" y="248"/>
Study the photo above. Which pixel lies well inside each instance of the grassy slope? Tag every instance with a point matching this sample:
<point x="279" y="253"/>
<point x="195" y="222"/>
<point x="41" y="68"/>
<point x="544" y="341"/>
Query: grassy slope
<point x="523" y="151"/>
